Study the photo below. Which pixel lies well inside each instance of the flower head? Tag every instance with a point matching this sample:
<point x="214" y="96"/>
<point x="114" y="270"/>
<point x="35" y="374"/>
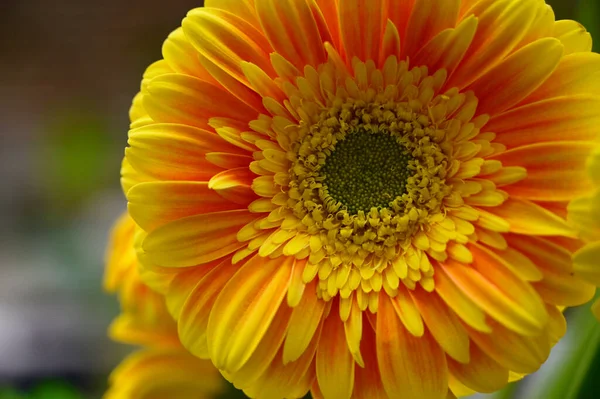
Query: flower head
<point x="163" y="368"/>
<point x="365" y="199"/>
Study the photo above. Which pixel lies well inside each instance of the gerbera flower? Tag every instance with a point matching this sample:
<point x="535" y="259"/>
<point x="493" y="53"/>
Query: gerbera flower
<point x="365" y="199"/>
<point x="585" y="212"/>
<point x="163" y="368"/>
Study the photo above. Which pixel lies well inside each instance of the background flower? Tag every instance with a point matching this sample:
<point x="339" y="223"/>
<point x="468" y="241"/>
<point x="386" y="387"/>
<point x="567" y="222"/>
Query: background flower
<point x="163" y="368"/>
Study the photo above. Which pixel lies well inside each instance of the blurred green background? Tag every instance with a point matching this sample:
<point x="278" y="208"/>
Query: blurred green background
<point x="68" y="71"/>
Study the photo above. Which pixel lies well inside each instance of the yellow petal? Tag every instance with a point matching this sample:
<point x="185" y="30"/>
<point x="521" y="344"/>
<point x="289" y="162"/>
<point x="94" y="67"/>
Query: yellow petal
<point x="586" y="262"/>
<point x="182" y="57"/>
<point x="196" y="239"/>
<point x="242" y="8"/>
<point x="292" y="380"/>
<point x="306" y="317"/>
<point x="264" y="354"/>
<point x="529" y="218"/>
<point x="577" y="73"/>
<point x="408" y="313"/>
<point x="151" y="373"/>
<point x="353" y="327"/>
<point x="236" y="327"/>
<point x="197" y="304"/>
<point x="154" y="204"/>
<point x="443" y="324"/>
<point x="183" y="284"/>
<point x="511" y="350"/>
<point x="497" y="297"/>
<point x="573" y="36"/>
<point x="459" y="301"/>
<point x="482" y="374"/>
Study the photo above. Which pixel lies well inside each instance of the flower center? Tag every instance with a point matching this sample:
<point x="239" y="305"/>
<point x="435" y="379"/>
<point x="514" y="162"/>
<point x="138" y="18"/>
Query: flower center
<point x="366" y="170"/>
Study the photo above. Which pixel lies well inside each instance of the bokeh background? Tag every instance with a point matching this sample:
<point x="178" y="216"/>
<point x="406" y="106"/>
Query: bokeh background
<point x="68" y="71"/>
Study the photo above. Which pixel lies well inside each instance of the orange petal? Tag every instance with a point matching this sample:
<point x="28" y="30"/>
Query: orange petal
<point x="233" y="84"/>
<point x="235" y="185"/>
<point x="292" y="380"/>
<point x="183" y="99"/>
<point x="411" y="367"/>
<point x="226" y="40"/>
<point x="198" y="303"/>
<point x="577" y="73"/>
<point x="427" y="19"/>
<point x="390" y="45"/>
<point x="334" y="362"/>
<point x="399" y="12"/>
<point x="572" y="117"/>
<point x="443" y="324"/>
<point x="229" y="161"/>
<point x="447" y="48"/>
<point x="236" y="328"/>
<point x="529" y="218"/>
<point x="517" y="76"/>
<point x="500" y="302"/>
<point x="558" y="286"/>
<point x="368" y="384"/>
<point x="173" y="152"/>
<point x="328" y="10"/>
<point x="502" y="26"/>
<point x="482" y="374"/>
<point x="556" y="171"/>
<point x="196" y="239"/>
<point x="154" y="204"/>
<point x="293" y="31"/>
<point x="361" y="26"/>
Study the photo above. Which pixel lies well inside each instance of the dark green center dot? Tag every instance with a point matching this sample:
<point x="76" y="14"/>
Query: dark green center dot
<point x="366" y="170"/>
